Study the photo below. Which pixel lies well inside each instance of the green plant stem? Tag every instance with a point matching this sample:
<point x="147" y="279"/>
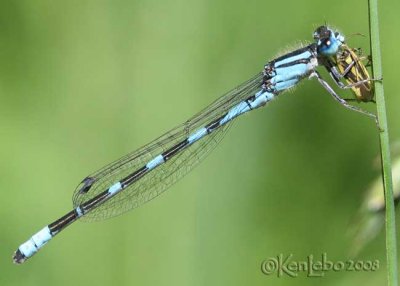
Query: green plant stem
<point x="391" y="246"/>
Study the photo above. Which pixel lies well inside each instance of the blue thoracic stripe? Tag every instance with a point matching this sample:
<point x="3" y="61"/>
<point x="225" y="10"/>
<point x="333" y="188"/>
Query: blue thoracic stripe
<point x="289" y="73"/>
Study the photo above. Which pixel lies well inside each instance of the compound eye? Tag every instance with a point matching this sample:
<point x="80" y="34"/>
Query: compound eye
<point x="321" y="32"/>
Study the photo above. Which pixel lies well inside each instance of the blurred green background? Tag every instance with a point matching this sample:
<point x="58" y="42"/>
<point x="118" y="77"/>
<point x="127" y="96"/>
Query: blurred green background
<point x="85" y="82"/>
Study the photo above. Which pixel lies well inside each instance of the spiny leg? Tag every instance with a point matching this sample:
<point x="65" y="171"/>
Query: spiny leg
<point x="358" y="101"/>
<point x="342" y="101"/>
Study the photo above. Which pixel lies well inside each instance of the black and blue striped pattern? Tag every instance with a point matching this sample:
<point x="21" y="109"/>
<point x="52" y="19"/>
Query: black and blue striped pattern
<point x="144" y="174"/>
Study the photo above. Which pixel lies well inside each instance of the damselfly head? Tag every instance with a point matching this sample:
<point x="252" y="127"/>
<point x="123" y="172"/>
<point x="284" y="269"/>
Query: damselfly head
<point x="328" y="40"/>
<point x="322" y="32"/>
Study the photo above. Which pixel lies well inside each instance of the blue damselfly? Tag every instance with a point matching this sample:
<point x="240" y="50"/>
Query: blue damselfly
<point x="145" y="173"/>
